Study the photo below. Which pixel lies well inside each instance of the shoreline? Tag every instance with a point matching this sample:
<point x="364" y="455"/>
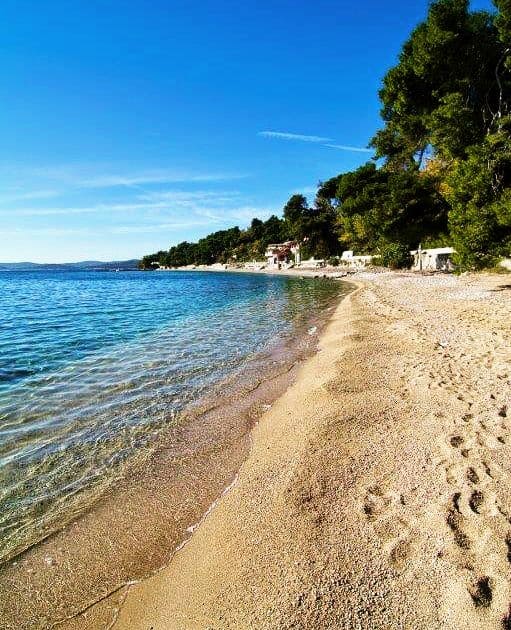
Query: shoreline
<point x="92" y="559"/>
<point x="377" y="492"/>
<point x="337" y="273"/>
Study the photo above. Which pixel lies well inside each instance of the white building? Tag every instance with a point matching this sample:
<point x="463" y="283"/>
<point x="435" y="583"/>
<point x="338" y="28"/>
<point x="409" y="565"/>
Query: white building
<point x="436" y="259"/>
<point x="347" y="258"/>
<point x="279" y="254"/>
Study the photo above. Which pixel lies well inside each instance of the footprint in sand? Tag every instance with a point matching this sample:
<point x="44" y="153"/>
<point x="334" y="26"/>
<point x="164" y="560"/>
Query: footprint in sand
<point x="508" y="547"/>
<point x="482" y="588"/>
<point x="456" y="441"/>
<point x="476" y="501"/>
<point x="472" y="475"/>
<point x="486" y="439"/>
<point x="382" y="511"/>
<point x="377" y="502"/>
<point x="481" y="591"/>
<point x="401" y="552"/>
<point x="466" y="520"/>
<point x="455" y="522"/>
<point x="494" y="472"/>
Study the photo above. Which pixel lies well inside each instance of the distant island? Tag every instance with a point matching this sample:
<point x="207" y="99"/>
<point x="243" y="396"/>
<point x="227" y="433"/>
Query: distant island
<point x="86" y="265"/>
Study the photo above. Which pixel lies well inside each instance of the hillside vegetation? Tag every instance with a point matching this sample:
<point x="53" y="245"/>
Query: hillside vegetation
<point x="441" y="171"/>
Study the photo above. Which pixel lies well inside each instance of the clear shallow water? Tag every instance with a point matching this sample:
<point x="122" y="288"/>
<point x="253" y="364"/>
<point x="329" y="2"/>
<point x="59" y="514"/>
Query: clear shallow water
<point x="93" y="366"/>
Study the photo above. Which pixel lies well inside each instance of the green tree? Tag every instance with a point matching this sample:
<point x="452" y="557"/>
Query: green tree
<point x="314" y="227"/>
<point x="378" y="206"/>
<point x="152" y="261"/>
<point x="296" y="212"/>
<point x="319" y="233"/>
<point x="480" y="195"/>
<point x="181" y="255"/>
<point x="395" y="256"/>
<point x="327" y="190"/>
<point x="444" y="84"/>
<point x="275" y="230"/>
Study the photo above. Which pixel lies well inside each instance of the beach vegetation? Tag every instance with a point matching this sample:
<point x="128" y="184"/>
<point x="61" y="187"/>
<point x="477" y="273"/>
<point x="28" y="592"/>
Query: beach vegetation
<point x="376" y="206"/>
<point x="395" y="256"/>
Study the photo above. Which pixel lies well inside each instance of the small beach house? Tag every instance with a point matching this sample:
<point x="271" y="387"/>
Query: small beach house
<point x="436" y="259"/>
<point x="280" y="254"/>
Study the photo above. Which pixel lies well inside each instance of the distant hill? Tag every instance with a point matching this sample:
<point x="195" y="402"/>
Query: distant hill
<point x="86" y="265"/>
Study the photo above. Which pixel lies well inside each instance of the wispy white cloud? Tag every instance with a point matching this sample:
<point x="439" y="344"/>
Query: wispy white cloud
<point x="200" y="217"/>
<point x="94" y="207"/>
<point x="161" y="201"/>
<point x="98" y="208"/>
<point x="284" y="135"/>
<point x="345" y="147"/>
<point x="46" y="231"/>
<point x="155" y="177"/>
<point x="144" y="228"/>
<point x="157" y="228"/>
<point x="63" y="179"/>
<point x="14" y="197"/>
<point x="241" y="215"/>
<point x="186" y="197"/>
<point x="157" y="202"/>
<point x="325" y="142"/>
<point x="152" y="217"/>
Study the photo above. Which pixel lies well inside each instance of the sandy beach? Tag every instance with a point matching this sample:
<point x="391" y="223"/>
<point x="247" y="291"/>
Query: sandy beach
<point x="373" y="492"/>
<point x="376" y="493"/>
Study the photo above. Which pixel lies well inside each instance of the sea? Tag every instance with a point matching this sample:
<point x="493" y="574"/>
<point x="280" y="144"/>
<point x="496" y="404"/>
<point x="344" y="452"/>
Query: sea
<point x="96" y="366"/>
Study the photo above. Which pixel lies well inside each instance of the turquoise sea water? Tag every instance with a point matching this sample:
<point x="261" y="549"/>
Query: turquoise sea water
<point x="93" y="366"/>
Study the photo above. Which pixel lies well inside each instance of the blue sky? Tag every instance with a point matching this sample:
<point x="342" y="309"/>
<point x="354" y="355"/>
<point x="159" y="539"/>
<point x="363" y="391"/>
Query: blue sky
<point x="128" y="126"/>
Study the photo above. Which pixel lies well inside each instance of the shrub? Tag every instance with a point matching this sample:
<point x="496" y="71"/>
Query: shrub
<point x="395" y="256"/>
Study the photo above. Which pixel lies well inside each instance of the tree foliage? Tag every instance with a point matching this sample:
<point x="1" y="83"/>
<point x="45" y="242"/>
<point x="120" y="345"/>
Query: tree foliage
<point x="380" y="206"/>
<point x="450" y="95"/>
<point x="313" y="226"/>
<point x="443" y="84"/>
<point x="480" y="195"/>
<point x="222" y="246"/>
<point x="395" y="256"/>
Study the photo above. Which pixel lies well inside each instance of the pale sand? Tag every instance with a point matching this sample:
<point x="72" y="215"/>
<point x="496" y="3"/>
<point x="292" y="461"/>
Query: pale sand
<point x="377" y="492"/>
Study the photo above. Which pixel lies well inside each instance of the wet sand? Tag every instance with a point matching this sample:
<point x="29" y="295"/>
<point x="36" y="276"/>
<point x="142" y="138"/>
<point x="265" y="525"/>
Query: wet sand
<point x="377" y="491"/>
